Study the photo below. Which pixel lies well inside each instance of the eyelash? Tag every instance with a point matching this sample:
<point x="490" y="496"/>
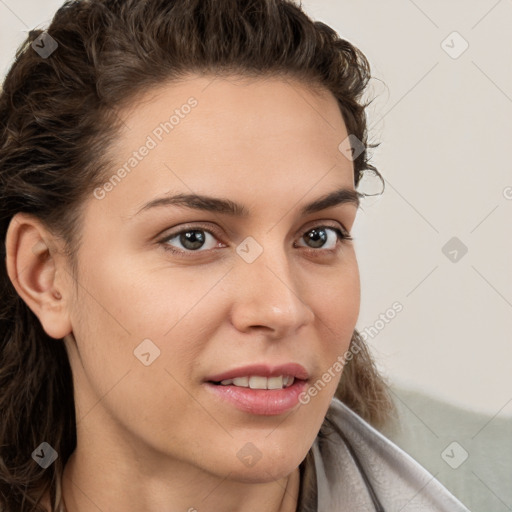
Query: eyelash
<point x="342" y="236"/>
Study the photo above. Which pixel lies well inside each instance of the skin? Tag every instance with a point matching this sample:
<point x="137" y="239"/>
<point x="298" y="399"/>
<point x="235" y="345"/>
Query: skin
<point x="151" y="437"/>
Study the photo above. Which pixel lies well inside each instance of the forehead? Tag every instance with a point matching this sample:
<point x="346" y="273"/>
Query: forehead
<point x="233" y="134"/>
<point x="266" y="107"/>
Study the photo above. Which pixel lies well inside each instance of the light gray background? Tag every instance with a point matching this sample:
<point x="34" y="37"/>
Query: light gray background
<point x="445" y="126"/>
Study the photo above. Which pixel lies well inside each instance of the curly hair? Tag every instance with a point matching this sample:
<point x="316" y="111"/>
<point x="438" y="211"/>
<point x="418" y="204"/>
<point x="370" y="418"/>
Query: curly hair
<point x="58" y="118"/>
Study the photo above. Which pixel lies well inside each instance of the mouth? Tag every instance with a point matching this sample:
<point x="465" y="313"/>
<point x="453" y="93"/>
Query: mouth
<point x="259" y="382"/>
<point x="260" y="389"/>
<point x="257" y="401"/>
<point x="255" y="373"/>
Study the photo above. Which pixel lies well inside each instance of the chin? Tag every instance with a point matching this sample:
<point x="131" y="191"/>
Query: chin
<point x="263" y="472"/>
<point x="272" y="463"/>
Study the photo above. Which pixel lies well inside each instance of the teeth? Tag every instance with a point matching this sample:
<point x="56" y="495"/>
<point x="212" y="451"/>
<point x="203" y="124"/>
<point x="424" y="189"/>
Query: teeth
<point x="257" y="382"/>
<point x="243" y="382"/>
<point x="275" y="382"/>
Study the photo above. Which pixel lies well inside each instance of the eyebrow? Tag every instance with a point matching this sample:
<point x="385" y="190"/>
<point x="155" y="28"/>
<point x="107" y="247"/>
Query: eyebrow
<point x="226" y="206"/>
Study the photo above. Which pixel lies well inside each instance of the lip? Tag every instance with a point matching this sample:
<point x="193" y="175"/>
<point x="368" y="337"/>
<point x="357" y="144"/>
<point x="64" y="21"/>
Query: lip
<point x="264" y="402"/>
<point x="262" y="370"/>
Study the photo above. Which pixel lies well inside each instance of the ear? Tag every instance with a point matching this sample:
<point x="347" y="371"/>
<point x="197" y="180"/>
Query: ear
<point x="36" y="270"/>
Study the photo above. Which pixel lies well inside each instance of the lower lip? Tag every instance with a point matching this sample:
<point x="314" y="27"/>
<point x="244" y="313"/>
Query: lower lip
<point x="265" y="402"/>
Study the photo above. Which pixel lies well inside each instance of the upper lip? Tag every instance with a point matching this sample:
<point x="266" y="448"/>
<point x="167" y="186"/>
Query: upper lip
<point x="262" y="370"/>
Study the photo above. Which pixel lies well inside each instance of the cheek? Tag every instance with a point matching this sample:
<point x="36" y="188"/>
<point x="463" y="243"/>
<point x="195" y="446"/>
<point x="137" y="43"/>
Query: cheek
<point x="126" y="316"/>
<point x="337" y="302"/>
<point x="133" y="298"/>
<point x="337" y="310"/>
<point x="117" y="314"/>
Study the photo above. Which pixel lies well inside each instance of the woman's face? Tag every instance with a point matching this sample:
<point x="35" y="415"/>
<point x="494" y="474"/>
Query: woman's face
<point x="170" y="295"/>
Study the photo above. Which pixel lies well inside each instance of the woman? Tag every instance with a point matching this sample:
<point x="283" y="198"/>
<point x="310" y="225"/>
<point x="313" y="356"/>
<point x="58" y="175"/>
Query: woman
<point x="180" y="292"/>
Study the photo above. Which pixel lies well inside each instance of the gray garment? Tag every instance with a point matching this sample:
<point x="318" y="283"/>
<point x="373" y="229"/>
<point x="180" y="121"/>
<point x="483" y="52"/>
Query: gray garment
<point x="400" y="484"/>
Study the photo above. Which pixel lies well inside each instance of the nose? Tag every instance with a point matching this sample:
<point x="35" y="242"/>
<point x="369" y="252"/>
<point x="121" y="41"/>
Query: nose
<point x="268" y="297"/>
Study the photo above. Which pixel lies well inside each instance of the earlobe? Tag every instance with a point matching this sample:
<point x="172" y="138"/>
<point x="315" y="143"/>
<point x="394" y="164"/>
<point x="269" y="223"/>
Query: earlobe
<point x="34" y="268"/>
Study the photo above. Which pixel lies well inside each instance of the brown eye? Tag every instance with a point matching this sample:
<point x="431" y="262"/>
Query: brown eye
<point x="189" y="240"/>
<point x="316" y="237"/>
<point x="324" y="237"/>
<point x="192" y="239"/>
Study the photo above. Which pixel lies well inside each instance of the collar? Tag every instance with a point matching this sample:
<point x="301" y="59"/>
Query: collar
<point x="359" y="469"/>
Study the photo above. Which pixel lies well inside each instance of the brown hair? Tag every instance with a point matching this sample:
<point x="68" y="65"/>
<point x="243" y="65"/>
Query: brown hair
<point x="57" y="120"/>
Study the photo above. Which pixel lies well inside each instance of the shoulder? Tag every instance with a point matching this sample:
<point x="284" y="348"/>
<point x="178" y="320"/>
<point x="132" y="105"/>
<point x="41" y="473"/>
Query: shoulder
<point x="350" y="455"/>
